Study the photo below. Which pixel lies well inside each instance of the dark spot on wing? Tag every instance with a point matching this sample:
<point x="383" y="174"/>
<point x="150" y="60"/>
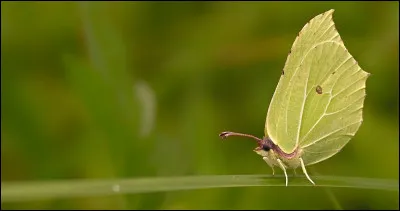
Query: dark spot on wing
<point x="333" y="72"/>
<point x="318" y="89"/>
<point x="283" y="72"/>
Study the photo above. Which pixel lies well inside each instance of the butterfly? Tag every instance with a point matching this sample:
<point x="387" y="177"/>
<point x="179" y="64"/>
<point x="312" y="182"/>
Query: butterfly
<point x="317" y="106"/>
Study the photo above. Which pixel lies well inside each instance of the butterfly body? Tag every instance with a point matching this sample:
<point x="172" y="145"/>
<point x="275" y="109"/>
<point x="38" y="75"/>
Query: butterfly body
<point x="290" y="161"/>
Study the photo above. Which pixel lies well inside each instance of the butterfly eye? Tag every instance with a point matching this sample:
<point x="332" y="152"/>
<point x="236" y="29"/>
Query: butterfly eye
<point x="265" y="147"/>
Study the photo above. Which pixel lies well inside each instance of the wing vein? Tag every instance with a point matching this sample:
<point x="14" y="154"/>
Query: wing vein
<point x="333" y="133"/>
<point x="327" y="114"/>
<point x="347" y="87"/>
<point x="330" y="26"/>
<point x="302" y="108"/>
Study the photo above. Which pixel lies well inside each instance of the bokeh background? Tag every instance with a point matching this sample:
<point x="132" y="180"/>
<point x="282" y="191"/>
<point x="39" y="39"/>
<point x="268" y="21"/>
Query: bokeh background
<point x="142" y="89"/>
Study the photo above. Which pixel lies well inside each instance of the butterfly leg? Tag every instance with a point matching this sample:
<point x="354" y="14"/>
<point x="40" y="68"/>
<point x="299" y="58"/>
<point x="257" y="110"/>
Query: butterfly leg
<point x="284" y="169"/>
<point x="294" y="171"/>
<point x="305" y="171"/>
<point x="270" y="164"/>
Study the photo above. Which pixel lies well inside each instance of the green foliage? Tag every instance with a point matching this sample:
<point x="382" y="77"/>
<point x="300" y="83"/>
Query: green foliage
<point x="26" y="191"/>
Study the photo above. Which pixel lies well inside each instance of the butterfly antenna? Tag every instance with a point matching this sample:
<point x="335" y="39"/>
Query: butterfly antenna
<point x="224" y="135"/>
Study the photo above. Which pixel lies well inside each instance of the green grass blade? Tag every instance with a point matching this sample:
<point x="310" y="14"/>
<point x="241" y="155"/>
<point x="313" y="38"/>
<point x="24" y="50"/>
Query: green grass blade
<point x="25" y="191"/>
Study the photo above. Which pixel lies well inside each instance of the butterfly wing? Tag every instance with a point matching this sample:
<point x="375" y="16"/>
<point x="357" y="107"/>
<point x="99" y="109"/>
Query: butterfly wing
<point x="318" y="102"/>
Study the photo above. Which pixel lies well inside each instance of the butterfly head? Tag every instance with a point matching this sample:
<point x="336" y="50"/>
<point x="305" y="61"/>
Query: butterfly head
<point x="264" y="147"/>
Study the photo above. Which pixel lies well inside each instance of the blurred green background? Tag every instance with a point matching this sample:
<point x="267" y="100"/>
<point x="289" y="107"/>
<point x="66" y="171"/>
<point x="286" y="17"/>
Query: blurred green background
<point x="142" y="89"/>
